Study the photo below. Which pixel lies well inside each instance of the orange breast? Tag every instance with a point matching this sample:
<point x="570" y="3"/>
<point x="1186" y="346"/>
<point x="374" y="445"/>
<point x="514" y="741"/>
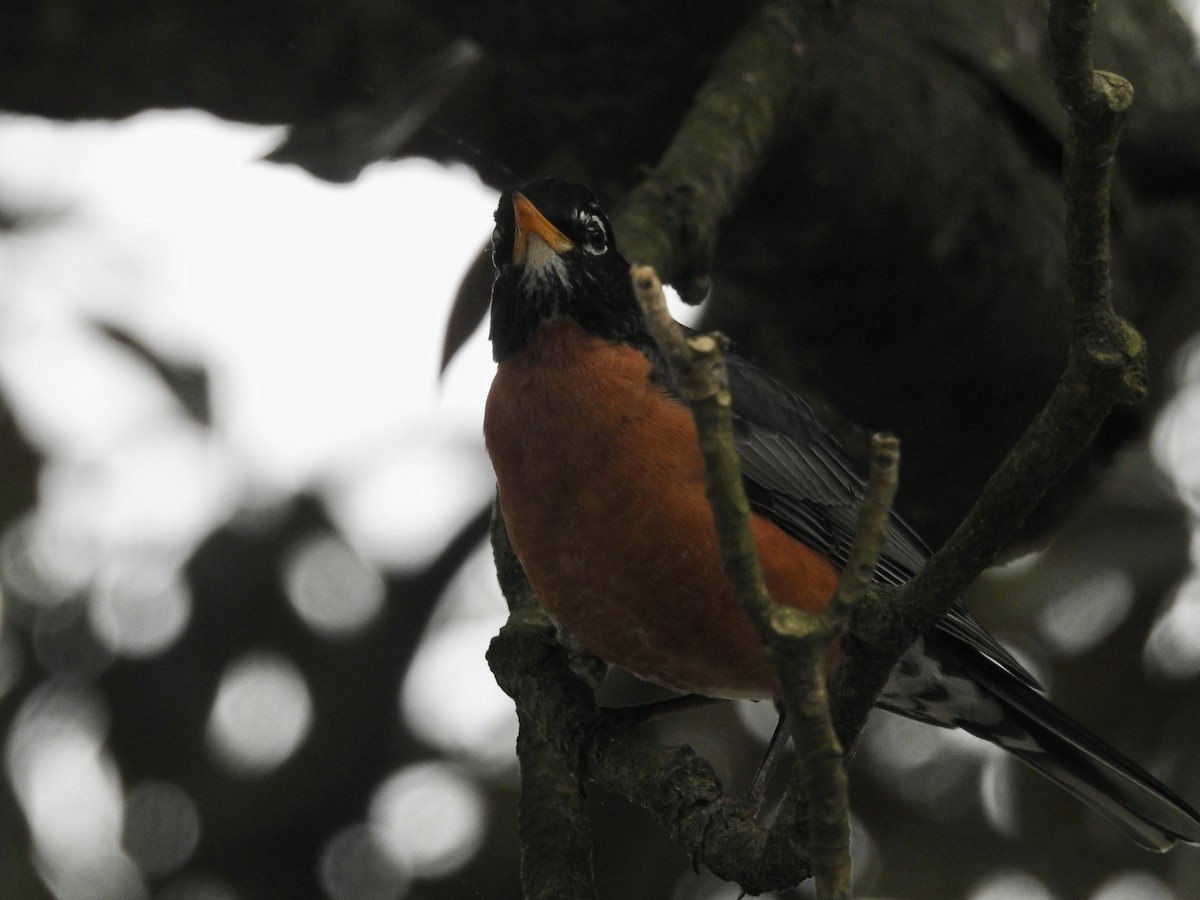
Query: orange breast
<point x="602" y="487"/>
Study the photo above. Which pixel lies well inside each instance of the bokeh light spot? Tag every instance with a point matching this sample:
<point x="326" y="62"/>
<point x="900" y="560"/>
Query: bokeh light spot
<point x="162" y="826"/>
<point x="1173" y="440"/>
<point x="998" y="791"/>
<point x="758" y="717"/>
<point x="117" y="879"/>
<point x="69" y="790"/>
<point x="355" y="866"/>
<point x="70" y="795"/>
<point x="935" y="769"/>
<point x="262" y="711"/>
<point x="140" y="617"/>
<point x="429" y="818"/>
<point x="404" y="510"/>
<point x="449" y="697"/>
<point x="1173" y="648"/>
<point x="1097" y="602"/>
<point x="1133" y="885"/>
<point x="1010" y="885"/>
<point x="37" y="569"/>
<point x="451" y="700"/>
<point x="332" y="588"/>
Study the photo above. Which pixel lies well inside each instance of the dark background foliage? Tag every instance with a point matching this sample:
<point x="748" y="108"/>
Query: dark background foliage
<point x="898" y="257"/>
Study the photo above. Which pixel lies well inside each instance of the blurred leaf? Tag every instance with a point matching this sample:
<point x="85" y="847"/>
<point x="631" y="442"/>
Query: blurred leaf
<point x="20" y="463"/>
<point x="337" y="146"/>
<point x="470" y="306"/>
<point x="187" y="383"/>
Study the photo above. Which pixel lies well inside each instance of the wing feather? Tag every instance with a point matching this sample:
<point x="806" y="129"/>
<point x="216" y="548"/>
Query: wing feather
<point x="797" y="475"/>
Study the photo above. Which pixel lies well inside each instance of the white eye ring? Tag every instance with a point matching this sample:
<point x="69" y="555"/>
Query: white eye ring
<point x="595" y="236"/>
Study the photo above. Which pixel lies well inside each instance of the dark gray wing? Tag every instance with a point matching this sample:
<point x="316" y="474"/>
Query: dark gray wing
<point x="797" y="475"/>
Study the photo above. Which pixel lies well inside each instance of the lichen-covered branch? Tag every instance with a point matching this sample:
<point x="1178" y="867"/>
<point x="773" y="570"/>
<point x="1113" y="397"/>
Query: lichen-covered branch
<point x="1106" y="363"/>
<point x="556" y="841"/>
<point x="671" y="219"/>
<point x="1096" y="103"/>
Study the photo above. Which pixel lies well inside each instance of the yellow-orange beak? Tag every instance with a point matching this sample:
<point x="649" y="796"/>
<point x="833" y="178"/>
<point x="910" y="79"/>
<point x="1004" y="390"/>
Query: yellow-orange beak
<point x="531" y="222"/>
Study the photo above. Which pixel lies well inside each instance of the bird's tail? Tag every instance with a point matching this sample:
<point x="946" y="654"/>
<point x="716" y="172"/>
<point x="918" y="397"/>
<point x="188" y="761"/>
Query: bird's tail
<point x="1037" y="732"/>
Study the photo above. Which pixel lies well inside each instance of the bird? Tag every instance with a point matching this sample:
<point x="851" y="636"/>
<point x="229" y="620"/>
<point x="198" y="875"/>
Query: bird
<point x="601" y="487"/>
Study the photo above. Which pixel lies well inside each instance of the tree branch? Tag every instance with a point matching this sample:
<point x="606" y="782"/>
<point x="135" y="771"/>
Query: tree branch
<point x="1106" y="365"/>
<point x="1106" y="361"/>
<point x="556" y="841"/>
<point x="673" y="216"/>
<point x="678" y="788"/>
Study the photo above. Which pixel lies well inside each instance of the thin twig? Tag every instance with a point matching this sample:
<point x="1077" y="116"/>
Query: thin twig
<point x="819" y="776"/>
<point x="795" y="641"/>
<point x="870" y="533"/>
<point x="698" y="368"/>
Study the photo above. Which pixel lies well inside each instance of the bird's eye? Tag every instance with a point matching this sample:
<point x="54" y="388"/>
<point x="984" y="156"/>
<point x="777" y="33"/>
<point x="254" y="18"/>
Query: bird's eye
<point x="595" y="237"/>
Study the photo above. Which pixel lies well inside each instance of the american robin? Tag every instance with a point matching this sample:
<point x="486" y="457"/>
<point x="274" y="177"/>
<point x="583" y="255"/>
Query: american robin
<point x="602" y="489"/>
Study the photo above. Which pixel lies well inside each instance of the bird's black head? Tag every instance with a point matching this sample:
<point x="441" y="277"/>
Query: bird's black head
<point x="555" y="255"/>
